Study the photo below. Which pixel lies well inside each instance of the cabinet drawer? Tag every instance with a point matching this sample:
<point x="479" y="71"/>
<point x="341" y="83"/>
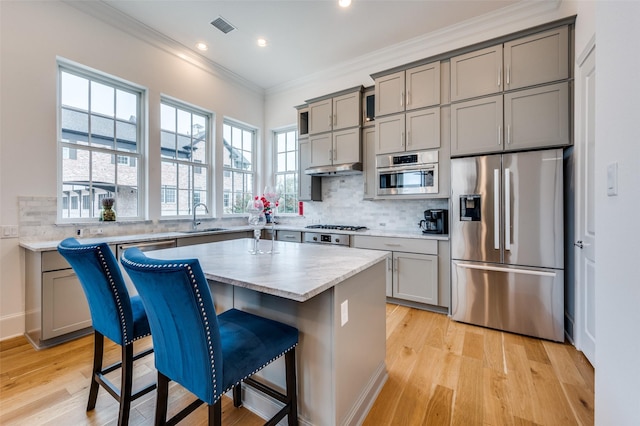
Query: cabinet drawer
<point x="410" y="245"/>
<point x="291" y="236"/>
<point x="53" y="261"/>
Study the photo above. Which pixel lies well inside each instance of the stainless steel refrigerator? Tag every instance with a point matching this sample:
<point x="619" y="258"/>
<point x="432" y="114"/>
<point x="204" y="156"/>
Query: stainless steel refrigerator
<point x="507" y="242"/>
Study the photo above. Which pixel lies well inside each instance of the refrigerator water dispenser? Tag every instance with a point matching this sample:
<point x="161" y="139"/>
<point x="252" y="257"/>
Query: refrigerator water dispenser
<point x="470" y="208"/>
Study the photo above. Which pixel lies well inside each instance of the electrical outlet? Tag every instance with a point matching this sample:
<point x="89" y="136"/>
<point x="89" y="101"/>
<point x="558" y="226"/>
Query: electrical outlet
<point x="79" y="232"/>
<point x="344" y="312"/>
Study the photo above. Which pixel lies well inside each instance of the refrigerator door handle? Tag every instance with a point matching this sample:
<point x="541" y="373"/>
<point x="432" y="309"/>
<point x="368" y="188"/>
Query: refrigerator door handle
<point x="501" y="269"/>
<point x="496" y="209"/>
<point x="507" y="209"/>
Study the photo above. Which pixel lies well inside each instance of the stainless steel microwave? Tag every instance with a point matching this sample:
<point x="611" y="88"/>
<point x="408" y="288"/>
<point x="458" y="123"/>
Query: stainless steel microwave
<point x="410" y="173"/>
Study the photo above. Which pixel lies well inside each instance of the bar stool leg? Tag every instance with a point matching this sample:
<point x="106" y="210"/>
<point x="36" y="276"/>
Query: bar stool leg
<point x="98" y="351"/>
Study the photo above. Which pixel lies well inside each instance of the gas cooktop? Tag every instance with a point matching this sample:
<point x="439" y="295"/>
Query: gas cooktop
<point x="338" y="227"/>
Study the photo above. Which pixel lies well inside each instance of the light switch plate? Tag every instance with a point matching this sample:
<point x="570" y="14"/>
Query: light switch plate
<point x="612" y="179"/>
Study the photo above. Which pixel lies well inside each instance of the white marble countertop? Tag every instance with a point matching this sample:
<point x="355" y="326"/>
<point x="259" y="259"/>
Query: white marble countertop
<point x="149" y="237"/>
<point x="297" y="272"/>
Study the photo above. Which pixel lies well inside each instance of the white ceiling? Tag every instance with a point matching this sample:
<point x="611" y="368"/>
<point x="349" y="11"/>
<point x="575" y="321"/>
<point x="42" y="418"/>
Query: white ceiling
<point x="304" y="36"/>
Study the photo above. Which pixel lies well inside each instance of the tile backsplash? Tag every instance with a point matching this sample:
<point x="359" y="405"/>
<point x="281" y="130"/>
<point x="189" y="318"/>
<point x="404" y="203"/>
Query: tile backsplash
<point x="341" y="204"/>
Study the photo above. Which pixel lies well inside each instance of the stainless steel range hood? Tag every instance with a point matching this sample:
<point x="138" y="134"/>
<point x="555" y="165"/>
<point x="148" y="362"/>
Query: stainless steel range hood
<point x="335" y="170"/>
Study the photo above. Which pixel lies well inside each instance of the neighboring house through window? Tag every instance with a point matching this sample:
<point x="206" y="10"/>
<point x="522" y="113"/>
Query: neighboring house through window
<point x="286" y="168"/>
<point x="185" y="147"/>
<point x="239" y="170"/>
<point x="98" y="124"/>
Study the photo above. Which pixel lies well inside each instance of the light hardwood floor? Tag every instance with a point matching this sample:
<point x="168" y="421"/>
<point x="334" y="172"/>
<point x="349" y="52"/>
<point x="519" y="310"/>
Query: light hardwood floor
<point x="440" y="373"/>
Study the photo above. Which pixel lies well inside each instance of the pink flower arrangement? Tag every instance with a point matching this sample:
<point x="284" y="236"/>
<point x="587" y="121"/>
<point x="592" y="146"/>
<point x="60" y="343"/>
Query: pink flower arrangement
<point x="267" y="204"/>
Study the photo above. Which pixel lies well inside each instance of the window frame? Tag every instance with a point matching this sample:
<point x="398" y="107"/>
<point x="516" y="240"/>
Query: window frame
<point x="68" y="150"/>
<point x="248" y="176"/>
<point x="196" y="166"/>
<point x="280" y="177"/>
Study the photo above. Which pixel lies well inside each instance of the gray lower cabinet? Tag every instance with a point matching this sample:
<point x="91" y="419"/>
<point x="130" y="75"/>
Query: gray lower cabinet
<point x="415" y="277"/>
<point x="417" y="269"/>
<point x="290" y="236"/>
<point x="55" y="305"/>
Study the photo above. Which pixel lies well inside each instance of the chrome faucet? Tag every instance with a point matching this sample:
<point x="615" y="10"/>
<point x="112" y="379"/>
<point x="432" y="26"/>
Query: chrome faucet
<point x="195" y="207"/>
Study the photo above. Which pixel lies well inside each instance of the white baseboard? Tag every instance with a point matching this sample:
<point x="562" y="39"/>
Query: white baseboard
<point x="11" y="326"/>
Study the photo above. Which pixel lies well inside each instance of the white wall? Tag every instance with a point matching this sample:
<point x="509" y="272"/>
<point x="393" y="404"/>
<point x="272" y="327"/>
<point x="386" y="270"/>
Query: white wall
<point x="617" y="227"/>
<point x="32" y="35"/>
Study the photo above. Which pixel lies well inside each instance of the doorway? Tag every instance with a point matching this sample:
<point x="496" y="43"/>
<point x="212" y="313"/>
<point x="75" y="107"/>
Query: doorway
<point x="585" y="244"/>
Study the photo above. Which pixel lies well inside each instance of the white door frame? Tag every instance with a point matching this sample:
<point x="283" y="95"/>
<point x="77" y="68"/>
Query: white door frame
<point x="584" y="332"/>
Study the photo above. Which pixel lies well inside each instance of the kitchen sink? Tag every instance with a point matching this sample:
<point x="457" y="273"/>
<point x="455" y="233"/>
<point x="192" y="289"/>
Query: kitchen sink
<point x="198" y="231"/>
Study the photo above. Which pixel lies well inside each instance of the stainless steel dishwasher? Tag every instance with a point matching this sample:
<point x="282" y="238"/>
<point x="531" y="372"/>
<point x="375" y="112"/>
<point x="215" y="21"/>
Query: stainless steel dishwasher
<point x="143" y="246"/>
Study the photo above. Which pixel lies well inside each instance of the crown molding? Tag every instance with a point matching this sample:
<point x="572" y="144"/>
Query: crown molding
<point x="500" y="22"/>
<point x="123" y="22"/>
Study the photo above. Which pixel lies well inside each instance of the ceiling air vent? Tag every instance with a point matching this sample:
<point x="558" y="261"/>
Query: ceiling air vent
<point x="223" y="25"/>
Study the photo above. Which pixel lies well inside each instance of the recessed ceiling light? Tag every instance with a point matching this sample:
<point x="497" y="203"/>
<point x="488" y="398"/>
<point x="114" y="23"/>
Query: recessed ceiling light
<point x="202" y="46"/>
<point x="262" y="42"/>
<point x="344" y="3"/>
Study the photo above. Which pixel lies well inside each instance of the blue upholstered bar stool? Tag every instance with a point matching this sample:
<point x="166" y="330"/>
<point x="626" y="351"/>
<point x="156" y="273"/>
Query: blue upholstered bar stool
<point x="207" y="354"/>
<point x="114" y="314"/>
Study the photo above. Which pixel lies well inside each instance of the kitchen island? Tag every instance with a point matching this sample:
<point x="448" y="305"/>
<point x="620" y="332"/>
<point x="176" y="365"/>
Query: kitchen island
<point x="335" y="296"/>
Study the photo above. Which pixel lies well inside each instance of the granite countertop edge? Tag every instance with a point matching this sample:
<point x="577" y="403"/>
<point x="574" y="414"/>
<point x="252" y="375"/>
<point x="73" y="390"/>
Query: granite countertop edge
<point x="49" y="245"/>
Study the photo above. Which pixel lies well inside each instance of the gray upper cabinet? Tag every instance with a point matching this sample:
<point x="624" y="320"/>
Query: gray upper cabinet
<point x="320" y="116"/>
<point x="536" y="59"/>
<point x="476" y="126"/>
<point x="407" y="90"/>
<point x="347" y="110"/>
<point x="523" y="119"/>
<point x="477" y="73"/>
<point x="518" y="102"/>
<point x="336" y="113"/>
<point x="539" y="58"/>
<point x="369" y="158"/>
<point x="309" y="187"/>
<point x="335" y="148"/>
<point x="413" y="131"/>
<point x="537" y="117"/>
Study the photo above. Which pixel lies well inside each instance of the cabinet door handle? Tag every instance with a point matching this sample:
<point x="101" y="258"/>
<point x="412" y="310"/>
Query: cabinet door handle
<point x="330" y="154"/>
<point x="389" y="263"/>
<point x="335" y="154"/>
<point x="499" y="77"/>
<point x="329" y="121"/>
<point x="395" y="265"/>
<point x="508" y="134"/>
<point x="401" y="138"/>
<point x="402" y="99"/>
<point x="508" y="74"/>
<point x="409" y="137"/>
<point x="499" y="134"/>
<point x="408" y="98"/>
<point x="335" y="119"/>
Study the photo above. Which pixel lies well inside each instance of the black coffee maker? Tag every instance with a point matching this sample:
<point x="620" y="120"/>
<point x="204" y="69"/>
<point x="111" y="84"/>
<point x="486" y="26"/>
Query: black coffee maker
<point x="436" y="221"/>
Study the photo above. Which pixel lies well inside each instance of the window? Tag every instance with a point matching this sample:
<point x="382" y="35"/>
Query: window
<point x="168" y="195"/>
<point x="286" y="169"/>
<point x="239" y="170"/>
<point x="184" y="149"/>
<point x="98" y="123"/>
